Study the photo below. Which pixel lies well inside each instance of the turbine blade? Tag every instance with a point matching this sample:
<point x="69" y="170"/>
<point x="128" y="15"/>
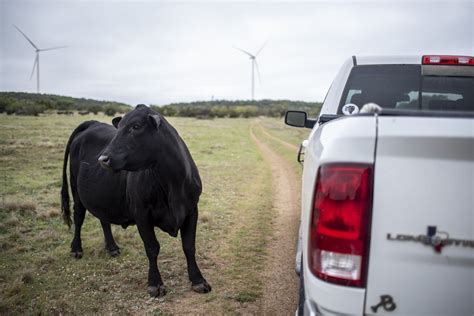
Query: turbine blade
<point x="34" y="66"/>
<point x="31" y="42"/>
<point x="245" y="52"/>
<point x="51" y="48"/>
<point x="258" y="72"/>
<point x="264" y="44"/>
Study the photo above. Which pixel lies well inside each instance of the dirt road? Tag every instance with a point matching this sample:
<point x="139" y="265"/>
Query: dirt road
<point x="280" y="281"/>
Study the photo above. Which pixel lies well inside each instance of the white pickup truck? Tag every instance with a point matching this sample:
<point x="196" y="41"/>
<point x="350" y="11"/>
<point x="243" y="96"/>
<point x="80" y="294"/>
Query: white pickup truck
<point x="387" y="207"/>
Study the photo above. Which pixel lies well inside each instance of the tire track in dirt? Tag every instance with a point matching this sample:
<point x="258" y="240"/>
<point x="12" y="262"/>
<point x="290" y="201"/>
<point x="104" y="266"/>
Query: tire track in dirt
<point x="286" y="144"/>
<point x="280" y="283"/>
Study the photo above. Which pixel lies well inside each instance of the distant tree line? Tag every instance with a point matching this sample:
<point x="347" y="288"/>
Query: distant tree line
<point x="242" y="108"/>
<point x="21" y="103"/>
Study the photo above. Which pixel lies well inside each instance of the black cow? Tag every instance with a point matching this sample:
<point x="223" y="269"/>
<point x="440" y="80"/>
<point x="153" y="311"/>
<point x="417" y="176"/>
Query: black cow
<point x="154" y="182"/>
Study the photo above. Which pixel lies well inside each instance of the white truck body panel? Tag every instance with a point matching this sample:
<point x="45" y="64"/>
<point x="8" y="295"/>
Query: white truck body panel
<point x="424" y="176"/>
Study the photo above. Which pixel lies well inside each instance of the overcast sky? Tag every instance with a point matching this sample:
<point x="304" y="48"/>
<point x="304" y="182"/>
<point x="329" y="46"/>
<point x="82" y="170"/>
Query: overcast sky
<point x="161" y="52"/>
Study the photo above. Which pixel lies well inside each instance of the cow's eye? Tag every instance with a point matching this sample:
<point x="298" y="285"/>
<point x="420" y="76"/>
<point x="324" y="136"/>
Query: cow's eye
<point x="136" y="126"/>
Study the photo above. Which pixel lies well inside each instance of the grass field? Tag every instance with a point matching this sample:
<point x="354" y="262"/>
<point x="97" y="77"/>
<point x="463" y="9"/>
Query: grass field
<point x="37" y="275"/>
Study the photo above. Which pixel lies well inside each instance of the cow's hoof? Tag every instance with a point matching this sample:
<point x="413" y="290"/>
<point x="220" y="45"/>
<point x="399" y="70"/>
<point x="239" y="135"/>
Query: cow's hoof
<point x="115" y="252"/>
<point x="157" y="291"/>
<point x="76" y="254"/>
<point x="202" y="288"/>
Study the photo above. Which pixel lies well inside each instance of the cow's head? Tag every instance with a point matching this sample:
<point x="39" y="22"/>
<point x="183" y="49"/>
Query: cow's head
<point x="134" y="147"/>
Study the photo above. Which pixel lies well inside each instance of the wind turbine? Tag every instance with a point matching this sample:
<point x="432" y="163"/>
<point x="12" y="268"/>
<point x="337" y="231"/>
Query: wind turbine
<point x="36" y="64"/>
<point x="253" y="58"/>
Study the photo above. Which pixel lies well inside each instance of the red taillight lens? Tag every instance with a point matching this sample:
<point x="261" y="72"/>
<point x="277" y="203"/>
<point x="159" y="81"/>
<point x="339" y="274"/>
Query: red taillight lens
<point x="339" y="232"/>
<point x="448" y="60"/>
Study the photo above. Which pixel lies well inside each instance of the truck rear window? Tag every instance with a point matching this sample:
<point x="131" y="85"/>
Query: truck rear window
<point x="404" y="87"/>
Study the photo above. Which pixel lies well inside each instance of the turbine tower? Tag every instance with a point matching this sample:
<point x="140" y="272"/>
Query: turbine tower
<point x="36" y="64"/>
<point x="254" y="66"/>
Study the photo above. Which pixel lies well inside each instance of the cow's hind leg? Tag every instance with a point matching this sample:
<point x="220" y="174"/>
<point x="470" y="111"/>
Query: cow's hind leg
<point x="110" y="243"/>
<point x="156" y="287"/>
<point x="79" y="214"/>
<point x="188" y="237"/>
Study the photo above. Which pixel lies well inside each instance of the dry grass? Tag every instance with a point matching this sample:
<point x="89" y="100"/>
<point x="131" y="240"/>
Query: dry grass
<point x="11" y="221"/>
<point x="48" y="213"/>
<point x="19" y="206"/>
<point x="13" y="288"/>
<point x="205" y="217"/>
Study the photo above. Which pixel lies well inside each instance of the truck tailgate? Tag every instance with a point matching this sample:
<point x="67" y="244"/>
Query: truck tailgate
<point x="423" y="196"/>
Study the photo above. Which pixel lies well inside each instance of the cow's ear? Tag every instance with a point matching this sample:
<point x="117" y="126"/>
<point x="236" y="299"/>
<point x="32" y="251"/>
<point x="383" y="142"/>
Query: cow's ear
<point x="155" y="120"/>
<point x="116" y="121"/>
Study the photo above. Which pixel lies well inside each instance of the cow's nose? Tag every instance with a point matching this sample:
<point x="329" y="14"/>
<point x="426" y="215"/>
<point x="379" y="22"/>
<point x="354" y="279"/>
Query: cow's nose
<point x="104" y="160"/>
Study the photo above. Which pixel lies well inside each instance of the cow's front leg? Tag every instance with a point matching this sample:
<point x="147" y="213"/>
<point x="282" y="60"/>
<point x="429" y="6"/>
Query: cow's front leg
<point x="188" y="237"/>
<point x="110" y="243"/>
<point x="156" y="287"/>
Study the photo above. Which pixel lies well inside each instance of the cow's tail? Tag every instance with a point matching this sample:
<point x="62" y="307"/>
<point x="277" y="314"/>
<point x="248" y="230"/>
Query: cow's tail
<point x="66" y="211"/>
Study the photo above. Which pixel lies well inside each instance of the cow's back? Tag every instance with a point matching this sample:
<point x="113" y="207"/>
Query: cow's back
<point x="101" y="192"/>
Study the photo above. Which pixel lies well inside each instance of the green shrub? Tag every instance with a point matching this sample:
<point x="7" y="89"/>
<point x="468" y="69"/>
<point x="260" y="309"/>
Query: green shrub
<point x="110" y="111"/>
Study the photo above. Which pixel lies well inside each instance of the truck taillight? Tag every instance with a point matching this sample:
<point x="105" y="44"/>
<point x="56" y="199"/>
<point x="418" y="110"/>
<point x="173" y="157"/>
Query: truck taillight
<point x="339" y="231"/>
<point x="447" y="60"/>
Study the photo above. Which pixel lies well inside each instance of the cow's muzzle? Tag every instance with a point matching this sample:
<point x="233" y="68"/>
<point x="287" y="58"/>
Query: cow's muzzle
<point x="104" y="162"/>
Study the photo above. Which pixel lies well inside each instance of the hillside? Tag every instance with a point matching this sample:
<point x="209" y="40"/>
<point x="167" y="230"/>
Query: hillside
<point x="22" y="103"/>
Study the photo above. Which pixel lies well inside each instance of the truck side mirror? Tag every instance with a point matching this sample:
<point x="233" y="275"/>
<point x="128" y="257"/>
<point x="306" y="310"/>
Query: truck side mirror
<point x="298" y="119"/>
<point x="295" y="118"/>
